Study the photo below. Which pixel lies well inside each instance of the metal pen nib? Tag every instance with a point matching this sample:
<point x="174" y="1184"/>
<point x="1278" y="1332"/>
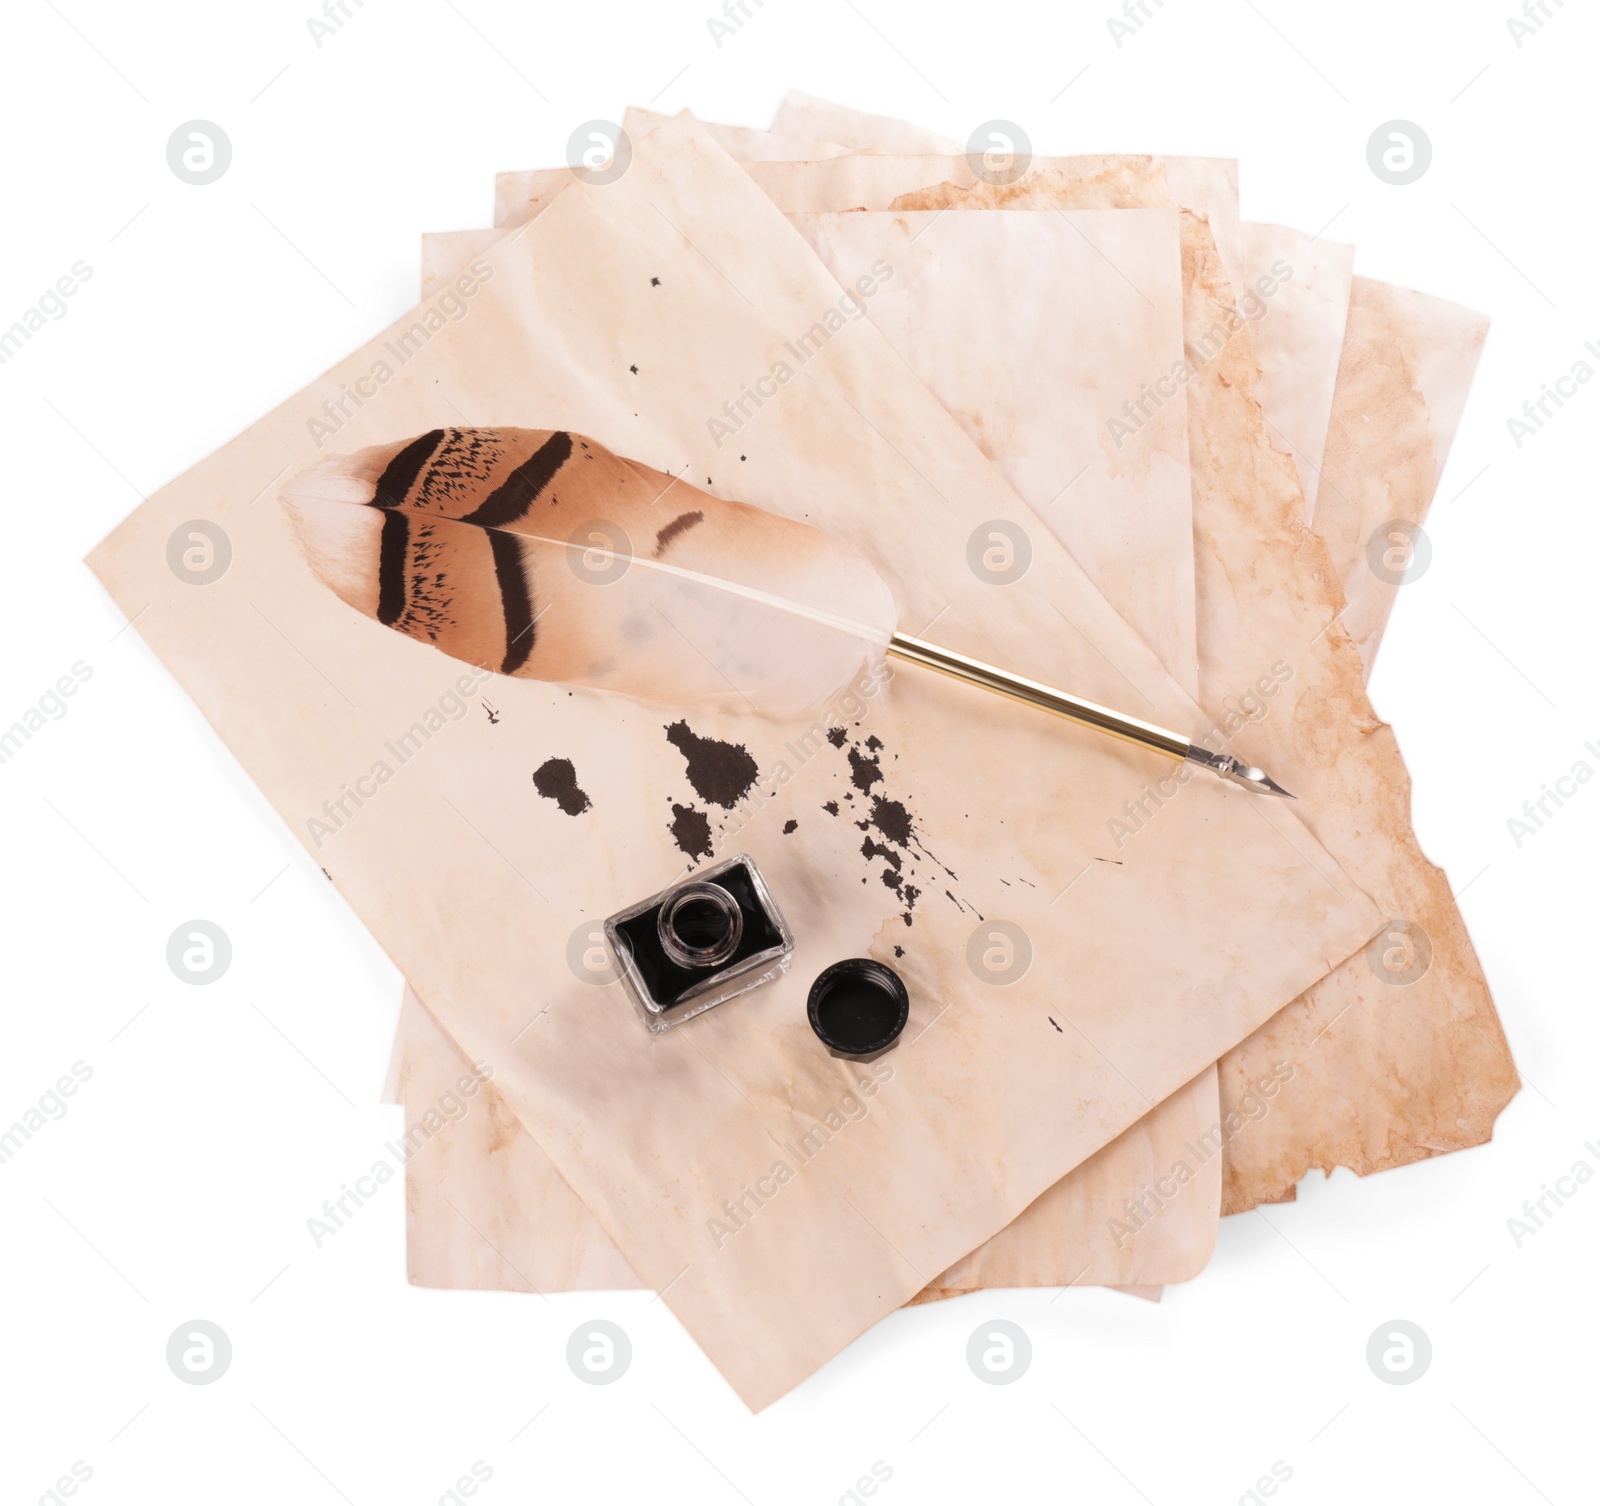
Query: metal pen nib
<point x="1230" y="767"/>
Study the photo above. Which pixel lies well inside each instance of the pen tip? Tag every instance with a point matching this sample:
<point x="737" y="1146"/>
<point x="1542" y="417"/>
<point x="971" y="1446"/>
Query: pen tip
<point x="1240" y="773"/>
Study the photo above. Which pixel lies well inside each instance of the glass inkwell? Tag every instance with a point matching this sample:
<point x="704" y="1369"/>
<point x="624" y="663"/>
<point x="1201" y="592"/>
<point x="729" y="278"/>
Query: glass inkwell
<point x="700" y="943"/>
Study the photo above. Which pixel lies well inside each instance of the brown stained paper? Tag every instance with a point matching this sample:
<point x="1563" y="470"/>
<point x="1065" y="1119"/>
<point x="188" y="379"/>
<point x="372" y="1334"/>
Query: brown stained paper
<point x="805" y="115"/>
<point x="1398" y="1054"/>
<point x="1207" y="185"/>
<point x="475" y="886"/>
<point x="487" y="1210"/>
<point x="1038" y="333"/>
<point x="485" y="1206"/>
<point x="1404" y="373"/>
<point x="1038" y="1250"/>
<point x="1054" y="1242"/>
<point x="1453" y="1081"/>
<point x="743" y="143"/>
<point x="1298" y="347"/>
<point x="1175" y="1245"/>
<point x="1298" y="339"/>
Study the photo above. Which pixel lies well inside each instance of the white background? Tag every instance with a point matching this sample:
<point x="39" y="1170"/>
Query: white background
<point x="217" y="1119"/>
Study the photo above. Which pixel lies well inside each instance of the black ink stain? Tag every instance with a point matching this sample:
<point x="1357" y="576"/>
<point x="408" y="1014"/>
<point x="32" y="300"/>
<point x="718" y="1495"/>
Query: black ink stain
<point x="679" y="525"/>
<point x="836" y="736"/>
<point x="832" y="807"/>
<point x="864" y="772"/>
<point x="557" y="780"/>
<point x="789" y="826"/>
<point x="655" y="282"/>
<point x="634" y="370"/>
<point x="1059" y="1030"/>
<point x="875" y="744"/>
<point x="892" y="819"/>
<point x="691" y="830"/>
<point x="871" y="850"/>
<point x="899" y="951"/>
<point x="721" y="773"/>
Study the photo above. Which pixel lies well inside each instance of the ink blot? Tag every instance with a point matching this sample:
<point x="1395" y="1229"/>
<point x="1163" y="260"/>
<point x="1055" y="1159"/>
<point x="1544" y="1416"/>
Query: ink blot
<point x="836" y="736"/>
<point x="871" y="849"/>
<point x="691" y="830"/>
<point x="864" y="772"/>
<point x="557" y="780"/>
<point x="892" y="819"/>
<point x="832" y="807"/>
<point x="789" y="826"/>
<point x="721" y="773"/>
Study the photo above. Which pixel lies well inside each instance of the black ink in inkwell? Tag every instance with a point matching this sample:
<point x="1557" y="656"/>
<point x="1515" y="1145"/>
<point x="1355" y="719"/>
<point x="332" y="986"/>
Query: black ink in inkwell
<point x="700" y="943"/>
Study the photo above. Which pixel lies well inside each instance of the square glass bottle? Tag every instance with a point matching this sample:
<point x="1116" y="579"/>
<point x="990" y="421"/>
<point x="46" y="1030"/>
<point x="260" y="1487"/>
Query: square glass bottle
<point x="701" y="942"/>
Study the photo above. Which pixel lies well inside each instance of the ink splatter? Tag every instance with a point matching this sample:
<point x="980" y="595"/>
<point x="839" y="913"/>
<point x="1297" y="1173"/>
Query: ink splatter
<point x="892" y="819"/>
<point x="864" y="772"/>
<point x="634" y="370"/>
<point x="557" y="780"/>
<point x="871" y="850"/>
<point x="899" y="951"/>
<point x="721" y="773"/>
<point x="1059" y="1030"/>
<point x="789" y="826"/>
<point x="890" y="834"/>
<point x="655" y="282"/>
<point x="691" y="830"/>
<point x="679" y="525"/>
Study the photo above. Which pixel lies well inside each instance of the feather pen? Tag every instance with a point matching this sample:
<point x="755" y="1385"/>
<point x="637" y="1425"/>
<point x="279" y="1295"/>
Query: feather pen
<point x="539" y="553"/>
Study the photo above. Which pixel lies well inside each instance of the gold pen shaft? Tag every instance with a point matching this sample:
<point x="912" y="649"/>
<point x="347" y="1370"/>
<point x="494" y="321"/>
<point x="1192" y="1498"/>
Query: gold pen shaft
<point x="1073" y="708"/>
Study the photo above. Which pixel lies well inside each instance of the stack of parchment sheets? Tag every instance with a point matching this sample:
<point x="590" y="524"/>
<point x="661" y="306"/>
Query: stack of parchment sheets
<point x="1087" y="425"/>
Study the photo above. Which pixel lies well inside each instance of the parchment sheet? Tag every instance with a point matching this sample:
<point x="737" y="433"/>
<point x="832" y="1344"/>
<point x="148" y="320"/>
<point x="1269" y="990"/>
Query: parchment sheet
<point x="1409" y="363"/>
<point x="1184" y="1131"/>
<point x="1404" y="374"/>
<point x="1040" y="334"/>
<point x="1299" y="338"/>
<point x="487" y="1210"/>
<point x="805" y="115"/>
<point x="1451" y="1096"/>
<point x="1207" y="185"/>
<point x="807" y="1272"/>
<point x="485" y="1206"/>
<point x="1130" y="334"/>
<point x="1398" y="1054"/>
<point x="743" y="143"/>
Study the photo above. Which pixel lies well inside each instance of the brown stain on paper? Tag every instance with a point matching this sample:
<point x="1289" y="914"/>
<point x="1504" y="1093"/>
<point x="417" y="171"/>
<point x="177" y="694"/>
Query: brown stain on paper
<point x="1379" y="1074"/>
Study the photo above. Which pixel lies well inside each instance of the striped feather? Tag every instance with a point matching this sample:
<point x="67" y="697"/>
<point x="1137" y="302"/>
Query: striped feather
<point x="540" y="554"/>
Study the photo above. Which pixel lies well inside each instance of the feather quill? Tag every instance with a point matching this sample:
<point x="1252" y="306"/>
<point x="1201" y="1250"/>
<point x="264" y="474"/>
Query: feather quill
<point x="541" y="554"/>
